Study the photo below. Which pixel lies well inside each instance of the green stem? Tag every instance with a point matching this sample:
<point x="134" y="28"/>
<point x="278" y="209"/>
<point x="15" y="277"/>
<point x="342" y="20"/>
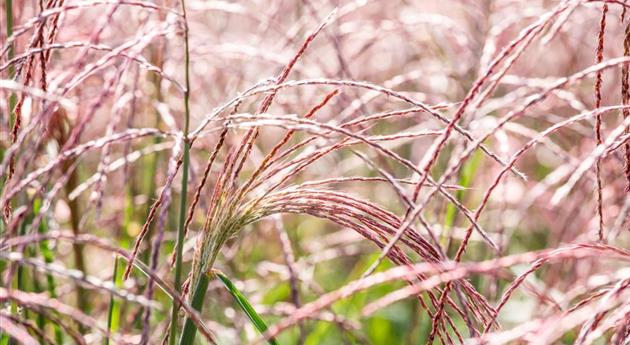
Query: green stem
<point x="19" y="285"/>
<point x="113" y="315"/>
<point x="75" y="222"/>
<point x="465" y="180"/>
<point x="183" y="202"/>
<point x="11" y="53"/>
<point x="190" y="330"/>
<point x="153" y="159"/>
<point x="12" y="100"/>
<point x="41" y="320"/>
<point x="48" y="256"/>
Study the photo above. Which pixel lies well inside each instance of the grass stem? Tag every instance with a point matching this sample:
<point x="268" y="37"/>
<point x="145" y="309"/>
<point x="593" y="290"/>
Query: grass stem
<point x="199" y="294"/>
<point x="184" y="189"/>
<point x="113" y="314"/>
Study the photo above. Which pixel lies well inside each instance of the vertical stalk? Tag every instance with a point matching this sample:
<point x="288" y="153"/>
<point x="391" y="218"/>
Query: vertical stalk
<point x="48" y="256"/>
<point x="75" y="222"/>
<point x="465" y="180"/>
<point x="19" y="285"/>
<point x="8" y="4"/>
<point x="190" y="330"/>
<point x="113" y="315"/>
<point x="183" y="201"/>
<point x="154" y="158"/>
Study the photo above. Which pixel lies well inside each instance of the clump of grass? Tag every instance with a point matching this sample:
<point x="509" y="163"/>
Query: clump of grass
<point x="391" y="173"/>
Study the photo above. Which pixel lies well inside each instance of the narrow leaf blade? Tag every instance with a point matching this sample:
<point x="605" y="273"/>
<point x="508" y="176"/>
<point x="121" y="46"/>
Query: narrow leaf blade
<point x="247" y="307"/>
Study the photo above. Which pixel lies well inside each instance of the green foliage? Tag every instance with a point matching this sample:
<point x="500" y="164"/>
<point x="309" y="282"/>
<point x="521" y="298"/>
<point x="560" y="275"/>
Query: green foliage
<point x="242" y="301"/>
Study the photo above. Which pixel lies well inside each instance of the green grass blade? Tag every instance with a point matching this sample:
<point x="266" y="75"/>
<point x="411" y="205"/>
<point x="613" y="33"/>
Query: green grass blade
<point x="48" y="255"/>
<point x="465" y="180"/>
<point x="190" y="330"/>
<point x="113" y="315"/>
<point x="247" y="307"/>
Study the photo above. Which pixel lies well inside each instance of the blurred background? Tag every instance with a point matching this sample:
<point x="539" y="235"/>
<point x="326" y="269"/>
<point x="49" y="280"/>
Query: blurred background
<point x="113" y="69"/>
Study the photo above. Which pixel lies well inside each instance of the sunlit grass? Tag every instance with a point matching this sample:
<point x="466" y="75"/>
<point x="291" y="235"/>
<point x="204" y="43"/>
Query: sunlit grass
<point x="314" y="172"/>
